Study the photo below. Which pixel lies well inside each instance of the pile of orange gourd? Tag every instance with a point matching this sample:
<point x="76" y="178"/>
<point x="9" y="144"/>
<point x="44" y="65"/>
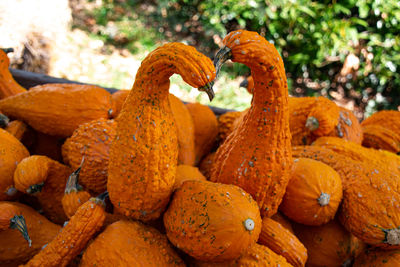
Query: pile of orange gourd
<point x="137" y="178"/>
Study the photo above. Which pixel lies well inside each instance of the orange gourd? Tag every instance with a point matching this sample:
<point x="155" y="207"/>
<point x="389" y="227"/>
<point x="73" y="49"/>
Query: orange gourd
<point x="257" y="256"/>
<point x="206" y="164"/>
<point x="371" y="199"/>
<point x="8" y="86"/>
<point x="74" y="195"/>
<point x="58" y="109"/>
<point x="130" y="243"/>
<point x="44" y="178"/>
<point x="22" y="132"/>
<point x="257" y="155"/>
<point x="313" y="194"/>
<point x="73" y="237"/>
<point x="389" y="119"/>
<point x="378" y="137"/>
<point x="281" y="241"/>
<point x="378" y="258"/>
<point x="144" y="154"/>
<point x="205" y="129"/>
<point x="92" y="141"/>
<point x="12" y="152"/>
<point x="14" y="248"/>
<point x="118" y="98"/>
<point x="329" y="245"/>
<point x="382" y="159"/>
<point x="185" y="131"/>
<point x="187" y="172"/>
<point x="212" y="221"/>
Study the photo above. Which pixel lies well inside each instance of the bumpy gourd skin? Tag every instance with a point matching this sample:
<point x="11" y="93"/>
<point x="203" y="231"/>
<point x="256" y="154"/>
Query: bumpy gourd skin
<point x="58" y="109"/>
<point x="282" y="242"/>
<point x="226" y="124"/>
<point x="389" y="119"/>
<point x="371" y="196"/>
<point x="45" y="178"/>
<point x="257" y="156"/>
<point x="212" y="221"/>
<point x="11" y="153"/>
<point x="130" y="243"/>
<point x="144" y="154"/>
<point x="91" y="140"/>
<point x="8" y="86"/>
<point x="14" y="249"/>
<point x="348" y="127"/>
<point x="73" y="237"/>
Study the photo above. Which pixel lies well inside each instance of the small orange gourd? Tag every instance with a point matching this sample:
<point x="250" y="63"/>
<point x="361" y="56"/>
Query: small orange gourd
<point x="11" y="218"/>
<point x="329" y="245"/>
<point x="389" y="119"/>
<point x="144" y="154"/>
<point x="205" y="129"/>
<point x="74" y="195"/>
<point x="281" y="241"/>
<point x="257" y="156"/>
<point x="8" y="86"/>
<point x="378" y="137"/>
<point x="58" y="109"/>
<point x="14" y="248"/>
<point x="12" y="152"/>
<point x="92" y="141"/>
<point x="212" y="221"/>
<point x="185" y="131"/>
<point x="130" y="243"/>
<point x="256" y="256"/>
<point x="44" y="178"/>
<point x="378" y="258"/>
<point x="313" y="194"/>
<point x="74" y="236"/>
<point x="187" y="172"/>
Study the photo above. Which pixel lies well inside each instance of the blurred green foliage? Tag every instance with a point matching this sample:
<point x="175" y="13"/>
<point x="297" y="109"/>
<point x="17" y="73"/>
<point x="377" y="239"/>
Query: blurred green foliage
<point x="314" y="37"/>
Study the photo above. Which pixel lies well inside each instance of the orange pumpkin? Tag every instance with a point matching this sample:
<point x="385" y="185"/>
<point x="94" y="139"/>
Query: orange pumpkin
<point x="211" y="221"/>
<point x="313" y="194"/>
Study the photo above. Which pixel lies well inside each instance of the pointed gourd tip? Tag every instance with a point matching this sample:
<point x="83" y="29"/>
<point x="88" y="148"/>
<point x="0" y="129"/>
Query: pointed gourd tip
<point x="208" y="88"/>
<point x="244" y="83"/>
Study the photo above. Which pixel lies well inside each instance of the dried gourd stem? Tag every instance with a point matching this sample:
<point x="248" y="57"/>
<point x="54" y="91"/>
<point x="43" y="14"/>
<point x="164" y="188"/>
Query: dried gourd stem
<point x="8" y="50"/>
<point x="4" y="121"/>
<point x="73" y="180"/>
<point x="392" y="236"/>
<point x="324" y="199"/>
<point x="312" y="123"/>
<point x="18" y="222"/>
<point x="32" y="189"/>
<point x="221" y="57"/>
